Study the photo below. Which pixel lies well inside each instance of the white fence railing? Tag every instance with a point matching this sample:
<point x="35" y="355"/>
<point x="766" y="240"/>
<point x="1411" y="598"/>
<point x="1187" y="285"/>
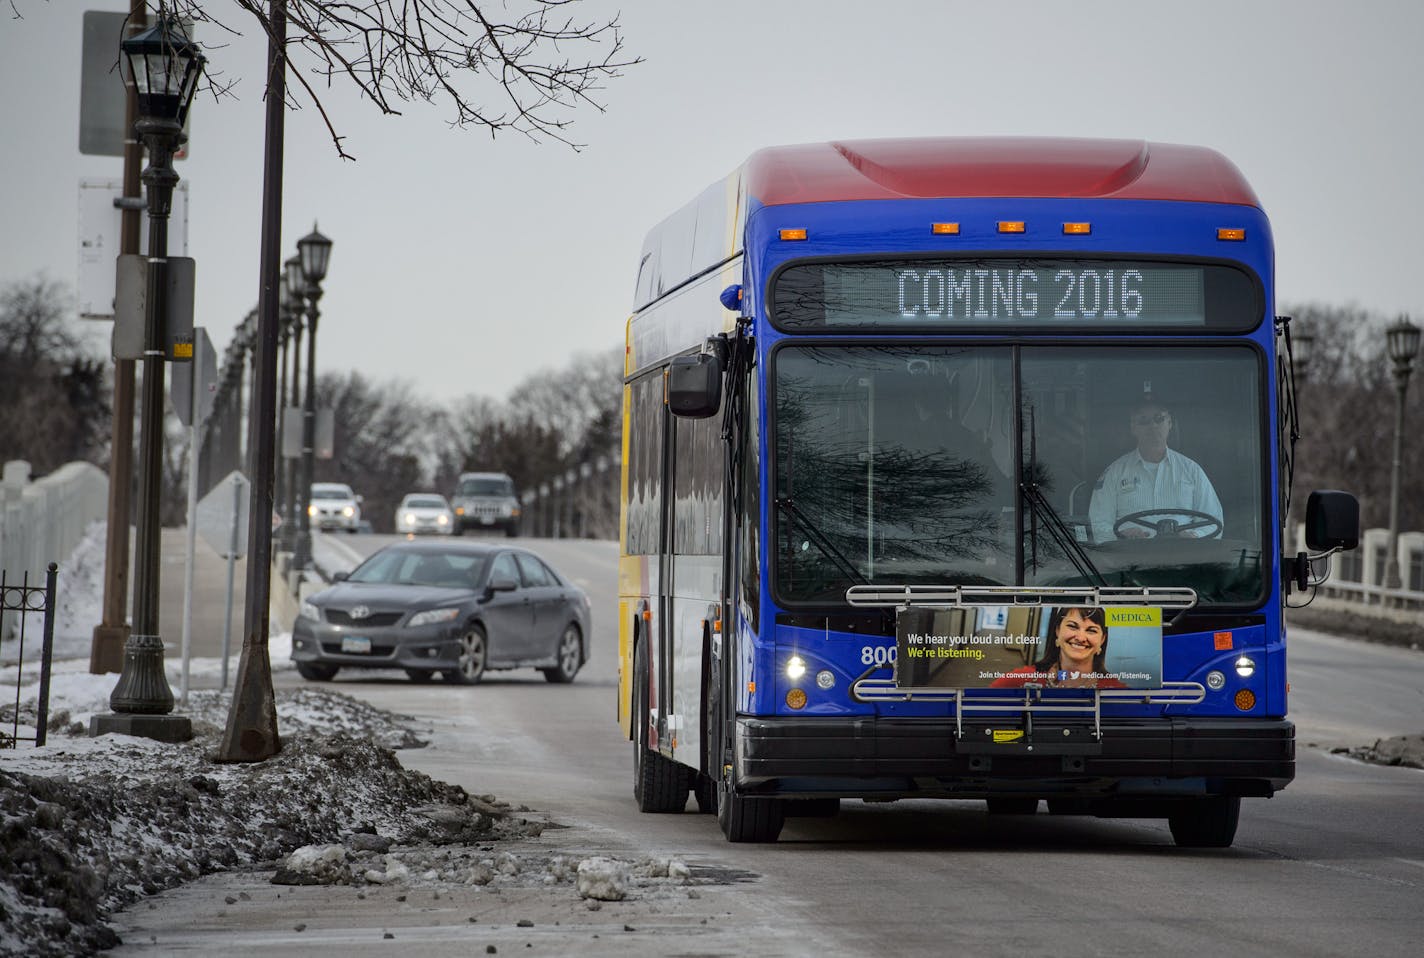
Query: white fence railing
<point x="1357" y="577"/>
<point x="42" y="521"/>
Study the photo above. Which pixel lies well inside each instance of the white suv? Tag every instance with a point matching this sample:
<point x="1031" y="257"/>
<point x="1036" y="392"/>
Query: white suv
<point x="334" y="506"/>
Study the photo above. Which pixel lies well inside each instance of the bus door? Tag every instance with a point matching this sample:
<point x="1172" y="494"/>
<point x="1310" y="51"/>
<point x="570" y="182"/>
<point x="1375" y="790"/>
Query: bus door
<point x="648" y="466"/>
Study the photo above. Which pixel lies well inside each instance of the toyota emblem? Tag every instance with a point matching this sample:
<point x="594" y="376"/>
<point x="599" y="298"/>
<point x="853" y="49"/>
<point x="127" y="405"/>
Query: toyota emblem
<point x="359" y="612"/>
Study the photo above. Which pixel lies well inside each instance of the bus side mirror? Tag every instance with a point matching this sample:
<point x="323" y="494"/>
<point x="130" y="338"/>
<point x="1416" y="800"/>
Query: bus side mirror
<point x="1332" y="521"/>
<point x="694" y="387"/>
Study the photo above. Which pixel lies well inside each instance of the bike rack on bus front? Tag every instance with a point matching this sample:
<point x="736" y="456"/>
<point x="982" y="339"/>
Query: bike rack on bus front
<point x="867" y="689"/>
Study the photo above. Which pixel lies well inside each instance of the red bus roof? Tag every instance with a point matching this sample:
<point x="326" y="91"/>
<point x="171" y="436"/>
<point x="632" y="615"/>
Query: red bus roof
<point x="936" y="167"/>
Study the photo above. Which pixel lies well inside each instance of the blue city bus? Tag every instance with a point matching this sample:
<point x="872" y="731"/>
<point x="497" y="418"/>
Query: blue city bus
<point x="958" y="468"/>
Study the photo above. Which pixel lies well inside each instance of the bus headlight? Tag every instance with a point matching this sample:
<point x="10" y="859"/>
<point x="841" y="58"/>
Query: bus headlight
<point x="825" y="679"/>
<point x="1215" y="680"/>
<point x="795" y="667"/>
<point x="1245" y="667"/>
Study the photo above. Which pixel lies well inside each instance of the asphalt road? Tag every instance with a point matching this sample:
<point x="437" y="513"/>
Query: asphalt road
<point x="1332" y="865"/>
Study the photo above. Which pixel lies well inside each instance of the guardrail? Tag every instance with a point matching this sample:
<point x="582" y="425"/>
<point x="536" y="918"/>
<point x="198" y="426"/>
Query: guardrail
<point x="42" y="521"/>
<point x="1356" y="581"/>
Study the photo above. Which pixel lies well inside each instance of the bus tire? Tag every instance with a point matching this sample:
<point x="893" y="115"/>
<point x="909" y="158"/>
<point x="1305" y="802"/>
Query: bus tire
<point x="1206" y="822"/>
<point x="749" y="819"/>
<point x="659" y="783"/>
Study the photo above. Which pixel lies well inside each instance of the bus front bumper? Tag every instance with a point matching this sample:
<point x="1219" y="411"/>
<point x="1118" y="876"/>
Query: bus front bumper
<point x="1133" y="758"/>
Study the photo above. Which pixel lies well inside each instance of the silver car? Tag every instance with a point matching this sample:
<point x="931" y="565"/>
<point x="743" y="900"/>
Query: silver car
<point x="334" y="506"/>
<point x="425" y="513"/>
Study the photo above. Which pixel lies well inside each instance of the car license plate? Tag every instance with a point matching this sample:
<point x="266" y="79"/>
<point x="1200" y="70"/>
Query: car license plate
<point x="357" y="644"/>
<point x="487" y="520"/>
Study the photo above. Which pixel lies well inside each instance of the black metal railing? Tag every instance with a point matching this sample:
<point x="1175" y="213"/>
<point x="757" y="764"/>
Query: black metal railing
<point x="25" y="599"/>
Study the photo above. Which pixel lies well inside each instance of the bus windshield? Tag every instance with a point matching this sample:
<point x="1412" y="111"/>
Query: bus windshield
<point x="1121" y="466"/>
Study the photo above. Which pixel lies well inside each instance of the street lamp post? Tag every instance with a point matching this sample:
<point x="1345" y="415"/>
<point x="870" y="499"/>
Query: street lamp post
<point x="165" y="66"/>
<point x="284" y="332"/>
<point x="294" y="502"/>
<point x="315" y="252"/>
<point x="1402" y="338"/>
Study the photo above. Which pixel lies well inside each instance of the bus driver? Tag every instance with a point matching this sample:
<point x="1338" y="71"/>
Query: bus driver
<point x="1153" y="479"/>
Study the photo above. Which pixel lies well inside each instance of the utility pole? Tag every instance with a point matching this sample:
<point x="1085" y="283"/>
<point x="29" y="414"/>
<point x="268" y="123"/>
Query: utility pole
<point x="106" y="652"/>
<point x="251" y="733"/>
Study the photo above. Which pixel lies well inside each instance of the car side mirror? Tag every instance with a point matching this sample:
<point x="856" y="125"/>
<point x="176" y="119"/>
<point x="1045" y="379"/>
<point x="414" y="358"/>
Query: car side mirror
<point x="1332" y="521"/>
<point x="501" y="585"/>
<point x="340" y="576"/>
<point x="694" y="386"/>
<point x="360" y="499"/>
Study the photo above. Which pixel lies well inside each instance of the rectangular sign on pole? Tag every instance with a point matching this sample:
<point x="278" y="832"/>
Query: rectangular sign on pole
<point x="100" y="221"/>
<point x="292" y="432"/>
<point x="198" y="379"/>
<point x="131" y="309"/>
<point x="325" y="447"/>
<point x="103" y="74"/>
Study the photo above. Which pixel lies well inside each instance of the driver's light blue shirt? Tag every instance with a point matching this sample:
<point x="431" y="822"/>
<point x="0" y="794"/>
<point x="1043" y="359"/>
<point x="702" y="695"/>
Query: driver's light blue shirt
<point x="1131" y="485"/>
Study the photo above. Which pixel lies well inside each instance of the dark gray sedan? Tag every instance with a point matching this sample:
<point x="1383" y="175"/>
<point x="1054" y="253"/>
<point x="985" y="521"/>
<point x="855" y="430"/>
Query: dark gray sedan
<point x="456" y="608"/>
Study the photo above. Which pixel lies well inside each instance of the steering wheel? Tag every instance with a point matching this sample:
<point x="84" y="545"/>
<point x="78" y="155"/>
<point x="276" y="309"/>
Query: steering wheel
<point x="1168" y="527"/>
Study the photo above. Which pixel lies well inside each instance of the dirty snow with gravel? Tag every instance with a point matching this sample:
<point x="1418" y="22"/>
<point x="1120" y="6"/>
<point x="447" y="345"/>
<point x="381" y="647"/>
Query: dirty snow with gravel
<point x="90" y="825"/>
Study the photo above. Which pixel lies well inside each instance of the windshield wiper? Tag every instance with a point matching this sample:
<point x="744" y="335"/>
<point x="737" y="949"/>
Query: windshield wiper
<point x="1059" y="531"/>
<point x="827" y="548"/>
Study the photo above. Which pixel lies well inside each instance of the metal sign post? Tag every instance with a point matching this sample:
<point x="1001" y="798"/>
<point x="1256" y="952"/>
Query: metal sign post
<point x="196" y="389"/>
<point x="222" y="522"/>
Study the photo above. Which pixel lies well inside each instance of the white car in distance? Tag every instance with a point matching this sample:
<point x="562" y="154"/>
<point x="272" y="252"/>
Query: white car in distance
<point x="334" y="506"/>
<point x="425" y="513"/>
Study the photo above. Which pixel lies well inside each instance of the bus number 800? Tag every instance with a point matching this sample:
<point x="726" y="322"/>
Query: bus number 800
<point x="877" y="654"/>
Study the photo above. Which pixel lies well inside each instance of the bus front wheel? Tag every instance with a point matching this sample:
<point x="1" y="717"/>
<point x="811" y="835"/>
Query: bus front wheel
<point x="745" y="818"/>
<point x="1206" y="822"/>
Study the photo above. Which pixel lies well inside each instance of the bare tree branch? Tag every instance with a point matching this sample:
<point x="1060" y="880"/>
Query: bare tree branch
<point x="506" y="73"/>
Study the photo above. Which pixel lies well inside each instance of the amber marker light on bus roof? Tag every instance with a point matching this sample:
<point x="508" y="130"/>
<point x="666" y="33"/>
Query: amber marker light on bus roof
<point x="944" y="229"/>
<point x="1230" y="233"/>
<point x="1011" y="226"/>
<point x="1077" y="229"/>
<point x="799" y="234"/>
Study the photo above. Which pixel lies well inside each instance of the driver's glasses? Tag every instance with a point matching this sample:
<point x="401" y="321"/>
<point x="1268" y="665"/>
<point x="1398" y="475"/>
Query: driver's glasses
<point x="1156" y="419"/>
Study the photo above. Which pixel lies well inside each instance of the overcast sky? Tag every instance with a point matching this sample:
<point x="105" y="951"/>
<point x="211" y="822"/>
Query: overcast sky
<point x="464" y="264"/>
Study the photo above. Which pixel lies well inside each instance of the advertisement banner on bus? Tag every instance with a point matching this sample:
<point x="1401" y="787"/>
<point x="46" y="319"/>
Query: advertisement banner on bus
<point x="1017" y="647"/>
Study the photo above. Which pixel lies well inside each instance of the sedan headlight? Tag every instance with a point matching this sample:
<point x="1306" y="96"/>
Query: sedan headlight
<point x="309" y="611"/>
<point x="432" y="616"/>
<point x="348" y="512"/>
<point x="442" y="519"/>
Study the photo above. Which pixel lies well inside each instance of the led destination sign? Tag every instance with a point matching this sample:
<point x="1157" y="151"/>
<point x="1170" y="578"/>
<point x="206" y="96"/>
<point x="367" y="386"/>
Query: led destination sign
<point x="1011" y="292"/>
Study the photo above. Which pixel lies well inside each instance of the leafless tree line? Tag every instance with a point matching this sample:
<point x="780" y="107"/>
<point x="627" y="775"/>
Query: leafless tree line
<point x="1347" y="401"/>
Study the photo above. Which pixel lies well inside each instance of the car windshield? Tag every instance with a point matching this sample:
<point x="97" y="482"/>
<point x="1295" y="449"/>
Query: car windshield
<point x="331" y="492"/>
<point x="449" y="570"/>
<point x="1001" y="465"/>
<point x="425" y="502"/>
<point x="486" y="487"/>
